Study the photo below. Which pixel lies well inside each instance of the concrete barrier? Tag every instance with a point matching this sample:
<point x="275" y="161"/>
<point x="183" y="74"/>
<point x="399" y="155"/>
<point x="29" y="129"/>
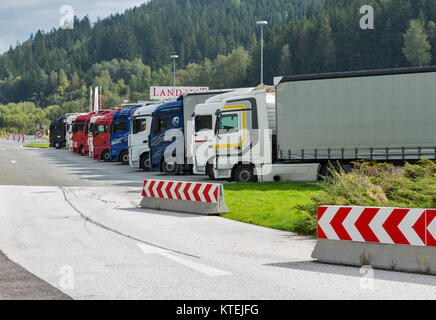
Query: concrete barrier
<point x="385" y="238"/>
<point x="182" y="196"/>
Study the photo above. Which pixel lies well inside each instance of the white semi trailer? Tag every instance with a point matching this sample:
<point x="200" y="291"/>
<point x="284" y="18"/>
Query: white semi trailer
<point x="380" y="115"/>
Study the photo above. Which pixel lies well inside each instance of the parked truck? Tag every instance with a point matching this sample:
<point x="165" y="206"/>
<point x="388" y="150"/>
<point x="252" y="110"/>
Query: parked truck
<point x="140" y="124"/>
<point x="79" y="132"/>
<point x="58" y="132"/>
<point x="323" y="119"/>
<point x="69" y="131"/>
<point x="101" y="136"/>
<point x="171" y="132"/>
<point x="119" y="133"/>
<point x="89" y="137"/>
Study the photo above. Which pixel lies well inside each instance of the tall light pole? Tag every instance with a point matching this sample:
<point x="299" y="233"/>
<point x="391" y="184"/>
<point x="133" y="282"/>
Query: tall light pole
<point x="174" y="57"/>
<point x="261" y="24"/>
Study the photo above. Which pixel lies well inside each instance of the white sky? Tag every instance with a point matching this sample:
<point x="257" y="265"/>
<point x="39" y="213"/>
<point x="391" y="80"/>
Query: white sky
<point x="20" y="18"/>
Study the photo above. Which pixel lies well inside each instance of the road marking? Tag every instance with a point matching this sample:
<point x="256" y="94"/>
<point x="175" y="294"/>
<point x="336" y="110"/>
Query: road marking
<point x="213" y="272"/>
<point x="13" y="161"/>
<point x="3" y="149"/>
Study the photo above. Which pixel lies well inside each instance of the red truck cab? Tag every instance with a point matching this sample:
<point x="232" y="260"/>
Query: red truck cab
<point x="89" y="128"/>
<point x="101" y="136"/>
<point x="79" y="128"/>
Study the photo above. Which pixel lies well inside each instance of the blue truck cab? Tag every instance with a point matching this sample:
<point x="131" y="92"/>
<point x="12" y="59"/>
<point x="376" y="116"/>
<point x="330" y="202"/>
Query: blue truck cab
<point x="119" y="134"/>
<point x="166" y="136"/>
<point x="171" y="135"/>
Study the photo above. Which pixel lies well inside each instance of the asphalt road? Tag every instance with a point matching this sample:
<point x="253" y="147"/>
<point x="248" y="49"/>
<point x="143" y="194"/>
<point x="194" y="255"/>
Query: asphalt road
<point x="74" y="223"/>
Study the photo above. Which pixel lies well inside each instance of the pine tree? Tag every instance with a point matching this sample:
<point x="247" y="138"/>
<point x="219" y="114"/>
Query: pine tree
<point x="416" y="45"/>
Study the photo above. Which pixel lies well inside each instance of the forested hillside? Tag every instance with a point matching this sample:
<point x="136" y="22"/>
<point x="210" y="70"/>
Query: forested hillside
<point x="148" y="35"/>
<point x="218" y="45"/>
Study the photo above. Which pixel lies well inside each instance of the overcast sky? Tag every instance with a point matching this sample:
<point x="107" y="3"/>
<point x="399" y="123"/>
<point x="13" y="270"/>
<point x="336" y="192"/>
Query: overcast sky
<point x="20" y="18"/>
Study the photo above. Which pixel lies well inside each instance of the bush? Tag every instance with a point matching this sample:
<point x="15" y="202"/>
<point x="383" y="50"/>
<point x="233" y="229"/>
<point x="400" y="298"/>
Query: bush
<point x="375" y="185"/>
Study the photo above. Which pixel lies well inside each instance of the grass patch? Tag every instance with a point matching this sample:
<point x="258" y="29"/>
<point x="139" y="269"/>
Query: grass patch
<point x="37" y="145"/>
<point x="272" y="205"/>
<point x="293" y="206"/>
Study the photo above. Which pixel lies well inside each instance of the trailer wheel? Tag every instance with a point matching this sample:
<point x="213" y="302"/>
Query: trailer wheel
<point x="170" y="167"/>
<point x="124" y="158"/>
<point x="106" y="155"/>
<point x="145" y="162"/>
<point x="244" y="173"/>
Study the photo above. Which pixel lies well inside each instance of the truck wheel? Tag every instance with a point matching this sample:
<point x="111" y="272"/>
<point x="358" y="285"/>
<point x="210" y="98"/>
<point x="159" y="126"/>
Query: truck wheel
<point x="57" y="145"/>
<point x="105" y="156"/>
<point x="170" y="167"/>
<point x="244" y="173"/>
<point x="145" y="162"/>
<point x="209" y="170"/>
<point x="81" y="150"/>
<point x="124" y="158"/>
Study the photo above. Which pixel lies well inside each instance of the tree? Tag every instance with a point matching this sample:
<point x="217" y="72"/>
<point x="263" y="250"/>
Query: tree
<point x="416" y="45"/>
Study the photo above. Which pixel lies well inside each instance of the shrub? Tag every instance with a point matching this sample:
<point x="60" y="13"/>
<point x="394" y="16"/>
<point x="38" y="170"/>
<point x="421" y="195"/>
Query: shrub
<point x="375" y="185"/>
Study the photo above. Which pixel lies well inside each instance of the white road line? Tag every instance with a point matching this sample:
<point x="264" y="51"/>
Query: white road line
<point x="3" y="149"/>
<point x="212" y="272"/>
<point x="13" y="161"/>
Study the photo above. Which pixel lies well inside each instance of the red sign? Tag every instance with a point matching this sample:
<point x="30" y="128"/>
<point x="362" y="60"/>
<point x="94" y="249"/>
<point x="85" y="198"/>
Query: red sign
<point x="415" y="227"/>
<point x="39" y="134"/>
<point x="191" y="191"/>
<point x="166" y="93"/>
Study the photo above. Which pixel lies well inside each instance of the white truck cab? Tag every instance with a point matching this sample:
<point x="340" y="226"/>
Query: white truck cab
<point x="243" y="135"/>
<point x="203" y="132"/>
<point x="138" y="138"/>
<point x="69" y="130"/>
<point x="240" y="144"/>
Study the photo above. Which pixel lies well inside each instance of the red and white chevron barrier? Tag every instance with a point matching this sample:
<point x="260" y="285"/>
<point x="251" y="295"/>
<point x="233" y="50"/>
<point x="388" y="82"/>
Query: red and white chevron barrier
<point x="195" y="197"/>
<point x="416" y="227"/>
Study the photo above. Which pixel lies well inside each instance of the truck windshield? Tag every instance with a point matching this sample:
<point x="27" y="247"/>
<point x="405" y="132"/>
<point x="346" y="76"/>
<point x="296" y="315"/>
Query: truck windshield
<point x="160" y="124"/>
<point x="100" y="129"/>
<point x="78" y="127"/>
<point x="139" y="125"/>
<point x="228" y="123"/>
<point x="203" y="123"/>
<point x="119" y="127"/>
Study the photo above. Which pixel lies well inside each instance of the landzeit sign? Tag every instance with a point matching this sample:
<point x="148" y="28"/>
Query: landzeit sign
<point x="167" y="93"/>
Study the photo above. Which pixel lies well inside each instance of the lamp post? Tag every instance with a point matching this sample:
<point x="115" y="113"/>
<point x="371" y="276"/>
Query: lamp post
<point x="261" y="24"/>
<point x="174" y="57"/>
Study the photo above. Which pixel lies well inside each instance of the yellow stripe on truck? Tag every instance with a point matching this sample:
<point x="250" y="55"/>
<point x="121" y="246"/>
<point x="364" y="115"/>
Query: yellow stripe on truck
<point x="233" y="145"/>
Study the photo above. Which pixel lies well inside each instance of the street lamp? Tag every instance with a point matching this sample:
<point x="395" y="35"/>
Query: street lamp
<point x="261" y="24"/>
<point x="174" y="57"/>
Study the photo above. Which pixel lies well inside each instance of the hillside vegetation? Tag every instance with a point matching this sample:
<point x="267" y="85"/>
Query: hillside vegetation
<point x="218" y="45"/>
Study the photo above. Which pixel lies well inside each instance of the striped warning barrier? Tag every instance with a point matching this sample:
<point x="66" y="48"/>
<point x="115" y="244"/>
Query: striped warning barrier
<point x="183" y="196"/>
<point x="377" y="225"/>
<point x="392" y="238"/>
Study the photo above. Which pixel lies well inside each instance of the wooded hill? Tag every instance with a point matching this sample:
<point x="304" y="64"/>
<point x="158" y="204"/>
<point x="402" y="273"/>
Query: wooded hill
<point x="218" y="45"/>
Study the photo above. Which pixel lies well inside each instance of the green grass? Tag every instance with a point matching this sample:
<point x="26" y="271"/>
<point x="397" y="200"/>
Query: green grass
<point x="37" y="145"/>
<point x="272" y="205"/>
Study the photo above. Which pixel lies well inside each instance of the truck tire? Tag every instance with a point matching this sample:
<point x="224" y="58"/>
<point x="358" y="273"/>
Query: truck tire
<point x="105" y="156"/>
<point x="209" y="170"/>
<point x="244" y="173"/>
<point x="124" y="158"/>
<point x="170" y="167"/>
<point x="57" y="145"/>
<point x="145" y="162"/>
<point x="81" y="150"/>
